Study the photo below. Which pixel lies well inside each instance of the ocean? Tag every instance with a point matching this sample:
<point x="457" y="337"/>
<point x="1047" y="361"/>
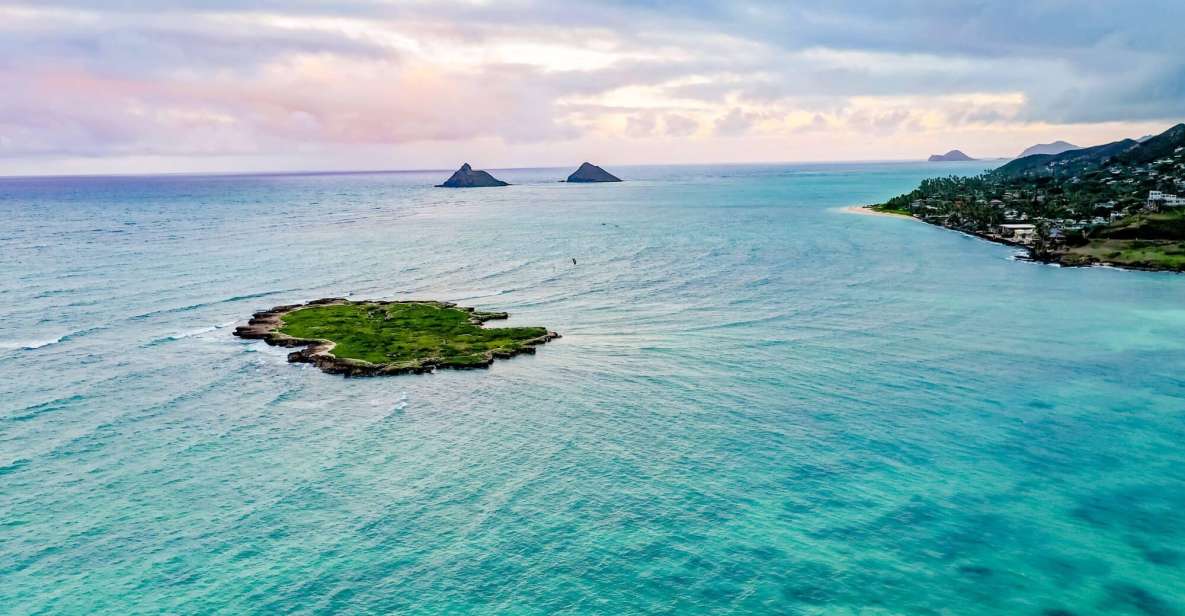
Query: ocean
<point x="760" y="404"/>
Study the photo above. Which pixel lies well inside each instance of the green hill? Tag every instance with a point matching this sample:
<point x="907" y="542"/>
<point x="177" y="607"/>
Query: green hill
<point x="1156" y="148"/>
<point x="1079" y="207"/>
<point x="1066" y="163"/>
<point x="1074" y="162"/>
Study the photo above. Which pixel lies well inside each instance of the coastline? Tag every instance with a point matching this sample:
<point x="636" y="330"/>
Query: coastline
<point x="265" y="325"/>
<point x="1055" y="258"/>
<point x="865" y="210"/>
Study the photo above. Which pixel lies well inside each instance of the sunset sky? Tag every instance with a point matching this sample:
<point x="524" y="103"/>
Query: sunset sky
<point x="126" y="86"/>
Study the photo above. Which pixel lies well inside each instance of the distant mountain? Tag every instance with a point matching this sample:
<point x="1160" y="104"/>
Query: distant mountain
<point x="589" y="172"/>
<point x="1057" y="147"/>
<point x="1072" y="162"/>
<point x="951" y="156"/>
<point x="466" y="177"/>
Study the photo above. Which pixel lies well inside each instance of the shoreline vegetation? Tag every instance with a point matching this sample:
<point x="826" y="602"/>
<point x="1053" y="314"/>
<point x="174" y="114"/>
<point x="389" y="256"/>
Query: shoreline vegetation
<point x="1115" y="204"/>
<point x="1137" y="255"/>
<point x="383" y="338"/>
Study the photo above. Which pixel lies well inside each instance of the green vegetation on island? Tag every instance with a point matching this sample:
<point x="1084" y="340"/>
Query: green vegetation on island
<point x="1112" y="204"/>
<point x="379" y="338"/>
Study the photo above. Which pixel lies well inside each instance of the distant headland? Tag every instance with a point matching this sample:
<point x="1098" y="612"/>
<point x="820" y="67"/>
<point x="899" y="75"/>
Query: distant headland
<point x="1119" y="204"/>
<point x="1057" y="147"/>
<point x="380" y="338"/>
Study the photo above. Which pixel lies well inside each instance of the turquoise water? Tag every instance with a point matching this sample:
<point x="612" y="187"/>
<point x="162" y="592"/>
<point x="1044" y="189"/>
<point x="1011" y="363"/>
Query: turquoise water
<point x="761" y="404"/>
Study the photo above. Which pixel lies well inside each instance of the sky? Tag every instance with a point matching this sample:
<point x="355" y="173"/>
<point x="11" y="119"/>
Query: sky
<point x="129" y="86"/>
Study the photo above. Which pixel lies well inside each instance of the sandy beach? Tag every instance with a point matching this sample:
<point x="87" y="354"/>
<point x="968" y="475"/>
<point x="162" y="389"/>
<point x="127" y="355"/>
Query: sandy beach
<point x="858" y="209"/>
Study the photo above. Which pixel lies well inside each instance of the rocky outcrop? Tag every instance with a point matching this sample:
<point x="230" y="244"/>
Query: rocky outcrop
<point x="265" y="325"/>
<point x="951" y="156"/>
<point x="588" y="173"/>
<point x="466" y="177"/>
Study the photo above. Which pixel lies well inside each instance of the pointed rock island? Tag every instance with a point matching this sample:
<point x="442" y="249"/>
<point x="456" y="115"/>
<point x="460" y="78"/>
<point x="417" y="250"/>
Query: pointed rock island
<point x="380" y="338"/>
<point x="588" y="173"/>
<point x="466" y="177"/>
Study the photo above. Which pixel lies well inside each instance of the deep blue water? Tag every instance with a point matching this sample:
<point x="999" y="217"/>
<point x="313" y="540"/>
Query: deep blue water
<point x="761" y="404"/>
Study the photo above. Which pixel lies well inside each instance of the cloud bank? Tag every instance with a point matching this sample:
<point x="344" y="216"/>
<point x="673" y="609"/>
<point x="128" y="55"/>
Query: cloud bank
<point x="175" y="85"/>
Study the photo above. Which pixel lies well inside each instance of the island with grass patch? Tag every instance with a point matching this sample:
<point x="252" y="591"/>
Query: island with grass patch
<point x="378" y="338"/>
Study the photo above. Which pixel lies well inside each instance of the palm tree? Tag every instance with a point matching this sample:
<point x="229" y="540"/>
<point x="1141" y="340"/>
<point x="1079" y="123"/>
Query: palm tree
<point x="1042" y="247"/>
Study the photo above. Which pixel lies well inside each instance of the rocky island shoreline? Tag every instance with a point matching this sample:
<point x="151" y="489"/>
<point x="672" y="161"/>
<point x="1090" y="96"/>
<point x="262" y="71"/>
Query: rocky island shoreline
<point x="383" y="338"/>
<point x="468" y="177"/>
<point x="589" y="173"/>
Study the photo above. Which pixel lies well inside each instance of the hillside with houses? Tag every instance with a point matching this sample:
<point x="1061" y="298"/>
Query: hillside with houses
<point x="1121" y="203"/>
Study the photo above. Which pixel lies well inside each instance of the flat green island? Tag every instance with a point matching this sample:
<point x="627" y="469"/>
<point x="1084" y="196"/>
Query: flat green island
<point x="377" y="338"/>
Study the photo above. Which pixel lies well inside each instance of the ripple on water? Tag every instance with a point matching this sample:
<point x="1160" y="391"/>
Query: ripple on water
<point x="758" y="406"/>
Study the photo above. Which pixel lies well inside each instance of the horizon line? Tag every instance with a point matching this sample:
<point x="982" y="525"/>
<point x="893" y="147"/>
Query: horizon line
<point x="312" y="172"/>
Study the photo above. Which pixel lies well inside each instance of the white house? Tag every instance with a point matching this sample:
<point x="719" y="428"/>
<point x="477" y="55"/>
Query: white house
<point x="1163" y="199"/>
<point x="1020" y="232"/>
